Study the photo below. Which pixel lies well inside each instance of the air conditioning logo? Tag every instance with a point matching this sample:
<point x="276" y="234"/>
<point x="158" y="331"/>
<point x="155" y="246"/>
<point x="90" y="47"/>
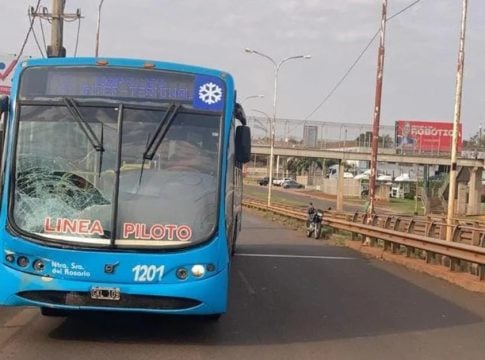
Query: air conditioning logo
<point x="209" y="92"/>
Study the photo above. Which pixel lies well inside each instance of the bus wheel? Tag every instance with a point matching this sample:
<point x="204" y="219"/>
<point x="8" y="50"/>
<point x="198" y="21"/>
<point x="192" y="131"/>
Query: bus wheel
<point x="213" y="317"/>
<point x="234" y="239"/>
<point x="53" y="312"/>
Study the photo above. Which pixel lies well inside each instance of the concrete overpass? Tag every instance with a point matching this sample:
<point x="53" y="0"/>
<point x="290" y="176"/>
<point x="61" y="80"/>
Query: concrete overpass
<point x="473" y="187"/>
<point x="420" y="159"/>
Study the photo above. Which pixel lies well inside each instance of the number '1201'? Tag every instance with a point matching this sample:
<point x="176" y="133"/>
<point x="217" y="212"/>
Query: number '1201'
<point x="147" y="273"/>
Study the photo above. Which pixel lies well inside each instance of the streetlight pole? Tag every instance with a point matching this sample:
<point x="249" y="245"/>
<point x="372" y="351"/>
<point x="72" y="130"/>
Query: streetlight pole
<point x="277" y="67"/>
<point x="98" y="27"/>
<point x="456" y="122"/>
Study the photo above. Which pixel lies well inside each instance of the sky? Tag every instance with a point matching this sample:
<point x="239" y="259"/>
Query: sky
<point x="420" y="62"/>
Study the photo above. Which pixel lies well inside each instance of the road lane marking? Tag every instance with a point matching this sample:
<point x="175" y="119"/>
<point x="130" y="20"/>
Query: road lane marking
<point x="297" y="256"/>
<point x="246" y="282"/>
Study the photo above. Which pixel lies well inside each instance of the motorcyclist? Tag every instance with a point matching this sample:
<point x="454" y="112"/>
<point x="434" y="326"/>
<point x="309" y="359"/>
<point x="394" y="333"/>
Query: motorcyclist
<point x="310" y="212"/>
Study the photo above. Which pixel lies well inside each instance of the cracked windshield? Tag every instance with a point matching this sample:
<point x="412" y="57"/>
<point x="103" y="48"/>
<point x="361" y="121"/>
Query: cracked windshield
<point x="65" y="174"/>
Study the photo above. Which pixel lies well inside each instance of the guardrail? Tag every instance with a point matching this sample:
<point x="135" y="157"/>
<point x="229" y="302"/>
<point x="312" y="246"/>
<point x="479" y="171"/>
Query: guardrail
<point x="410" y="236"/>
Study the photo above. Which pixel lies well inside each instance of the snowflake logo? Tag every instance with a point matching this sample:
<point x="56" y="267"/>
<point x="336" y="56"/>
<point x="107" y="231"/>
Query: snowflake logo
<point x="210" y="93"/>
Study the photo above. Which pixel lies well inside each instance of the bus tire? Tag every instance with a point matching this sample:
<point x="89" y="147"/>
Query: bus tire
<point x="46" y="311"/>
<point x="212" y="317"/>
<point x="316" y="234"/>
<point x="234" y="238"/>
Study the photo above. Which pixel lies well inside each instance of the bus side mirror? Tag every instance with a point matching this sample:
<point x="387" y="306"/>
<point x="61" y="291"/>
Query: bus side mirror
<point x="240" y="114"/>
<point x="243" y="144"/>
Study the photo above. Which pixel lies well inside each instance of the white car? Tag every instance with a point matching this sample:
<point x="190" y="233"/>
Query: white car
<point x="384" y="178"/>
<point x="279" y="182"/>
<point x="348" y="175"/>
<point x="362" y="176"/>
<point x="403" y="178"/>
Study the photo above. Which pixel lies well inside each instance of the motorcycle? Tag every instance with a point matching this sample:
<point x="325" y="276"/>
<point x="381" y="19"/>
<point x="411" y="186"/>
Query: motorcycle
<point x="314" y="224"/>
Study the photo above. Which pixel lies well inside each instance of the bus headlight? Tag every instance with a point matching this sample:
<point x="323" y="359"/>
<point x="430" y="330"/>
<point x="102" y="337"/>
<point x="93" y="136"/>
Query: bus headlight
<point x="198" y="270"/>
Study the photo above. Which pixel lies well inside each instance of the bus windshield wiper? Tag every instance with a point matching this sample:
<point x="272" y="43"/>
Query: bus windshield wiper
<point x="86" y="128"/>
<point x="154" y="143"/>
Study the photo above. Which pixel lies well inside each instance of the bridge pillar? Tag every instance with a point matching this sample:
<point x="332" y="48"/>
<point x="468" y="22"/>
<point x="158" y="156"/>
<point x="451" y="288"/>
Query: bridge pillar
<point x="474" y="191"/>
<point x="278" y="166"/>
<point x="340" y="186"/>
<point x="461" y="199"/>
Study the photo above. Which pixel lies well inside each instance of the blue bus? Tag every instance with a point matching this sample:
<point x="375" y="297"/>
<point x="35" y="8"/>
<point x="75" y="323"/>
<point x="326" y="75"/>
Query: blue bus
<point x="121" y="186"/>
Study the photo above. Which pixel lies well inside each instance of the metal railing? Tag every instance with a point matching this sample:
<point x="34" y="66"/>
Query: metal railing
<point x="421" y="237"/>
<point x="350" y="137"/>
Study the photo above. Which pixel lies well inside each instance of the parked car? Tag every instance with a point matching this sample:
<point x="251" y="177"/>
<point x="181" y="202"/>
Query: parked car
<point x="363" y="176"/>
<point x="291" y="184"/>
<point x="279" y="182"/>
<point x="264" y="181"/>
<point x="384" y="177"/>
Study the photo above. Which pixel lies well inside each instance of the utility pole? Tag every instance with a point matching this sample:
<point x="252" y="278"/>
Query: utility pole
<point x="56" y="49"/>
<point x="377" y="115"/>
<point x="456" y="122"/>
<point x="56" y="18"/>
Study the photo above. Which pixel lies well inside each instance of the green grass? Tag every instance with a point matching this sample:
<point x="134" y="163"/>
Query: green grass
<point x="405" y="206"/>
<point x="276" y="197"/>
<point x="399" y="206"/>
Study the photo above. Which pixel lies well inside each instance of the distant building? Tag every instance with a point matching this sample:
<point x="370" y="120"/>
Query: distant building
<point x="310" y="136"/>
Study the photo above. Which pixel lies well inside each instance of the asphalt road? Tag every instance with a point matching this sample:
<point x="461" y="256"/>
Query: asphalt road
<point x="291" y="298"/>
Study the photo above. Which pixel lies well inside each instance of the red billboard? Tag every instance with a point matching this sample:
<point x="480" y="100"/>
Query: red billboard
<point x="428" y="136"/>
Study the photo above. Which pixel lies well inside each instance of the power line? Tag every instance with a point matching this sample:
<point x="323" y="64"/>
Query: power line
<point x="349" y="70"/>
<point x="56" y="18"/>
<point x="35" y="37"/>
<point x="43" y="34"/>
<point x="403" y="10"/>
<point x="28" y="33"/>
<point x="344" y="76"/>
<point x="77" y="36"/>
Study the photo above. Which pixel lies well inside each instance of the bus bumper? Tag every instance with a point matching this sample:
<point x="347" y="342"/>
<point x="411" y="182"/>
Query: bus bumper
<point x="202" y="297"/>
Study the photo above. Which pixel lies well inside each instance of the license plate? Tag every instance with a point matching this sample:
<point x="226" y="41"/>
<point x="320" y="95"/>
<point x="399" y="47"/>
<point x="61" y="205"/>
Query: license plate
<point x="105" y="293"/>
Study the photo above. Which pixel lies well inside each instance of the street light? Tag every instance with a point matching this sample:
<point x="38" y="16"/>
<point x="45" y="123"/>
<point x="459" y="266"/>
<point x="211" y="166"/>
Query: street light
<point x="277" y="67"/>
<point x="97" y="27"/>
<point x="252" y="97"/>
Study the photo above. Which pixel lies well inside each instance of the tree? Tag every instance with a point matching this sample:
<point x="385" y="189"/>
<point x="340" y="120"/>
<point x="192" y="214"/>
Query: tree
<point x="365" y="140"/>
<point x="475" y="140"/>
<point x="299" y="165"/>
